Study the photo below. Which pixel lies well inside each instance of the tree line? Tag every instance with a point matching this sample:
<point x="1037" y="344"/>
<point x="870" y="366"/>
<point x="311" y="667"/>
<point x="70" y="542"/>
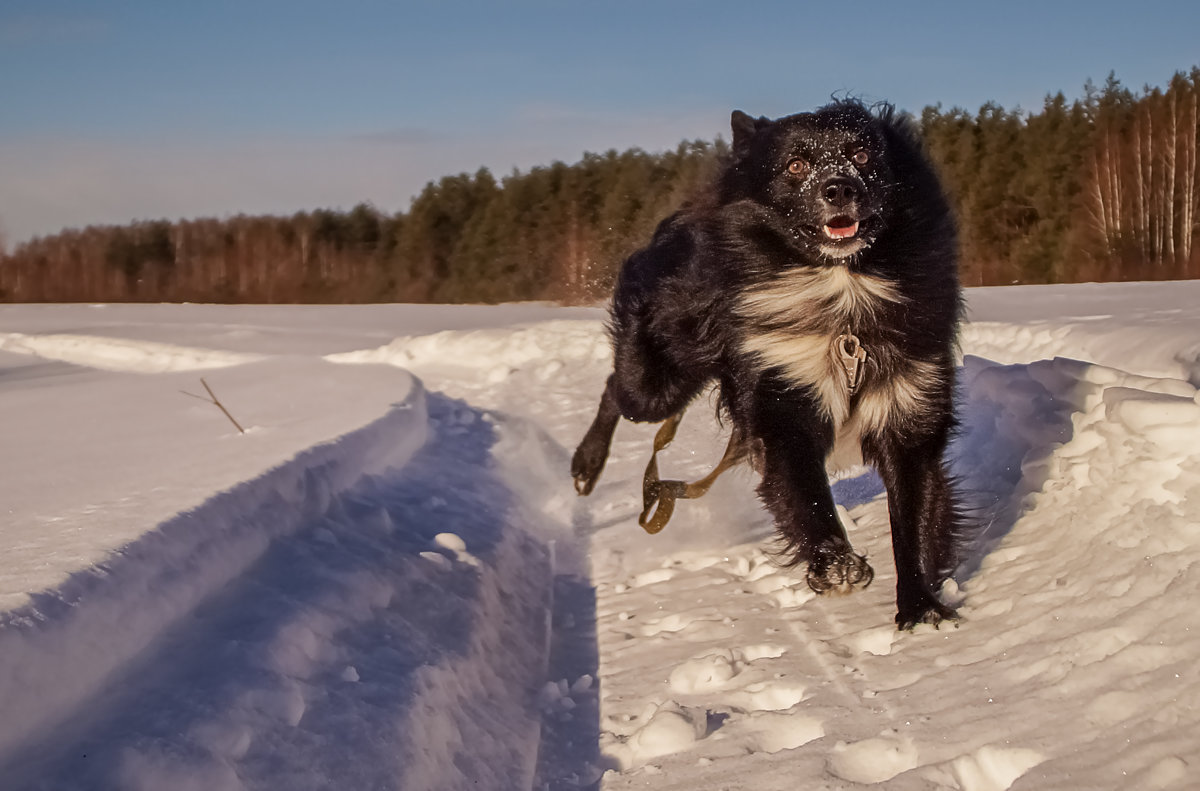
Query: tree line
<point x="1103" y="187"/>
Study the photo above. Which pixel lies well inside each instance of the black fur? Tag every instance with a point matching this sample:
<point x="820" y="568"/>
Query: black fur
<point x="820" y="224"/>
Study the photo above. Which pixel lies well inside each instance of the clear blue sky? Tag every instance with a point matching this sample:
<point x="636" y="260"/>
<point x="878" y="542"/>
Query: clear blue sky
<point x="113" y="111"/>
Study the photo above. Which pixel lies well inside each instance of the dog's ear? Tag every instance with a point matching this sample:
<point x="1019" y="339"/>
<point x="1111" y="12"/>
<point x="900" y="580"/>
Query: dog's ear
<point x="744" y="128"/>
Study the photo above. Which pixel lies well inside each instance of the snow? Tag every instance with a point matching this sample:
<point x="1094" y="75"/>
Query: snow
<point x="389" y="582"/>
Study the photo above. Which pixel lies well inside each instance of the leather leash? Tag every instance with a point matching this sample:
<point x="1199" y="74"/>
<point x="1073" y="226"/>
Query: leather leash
<point x="665" y="493"/>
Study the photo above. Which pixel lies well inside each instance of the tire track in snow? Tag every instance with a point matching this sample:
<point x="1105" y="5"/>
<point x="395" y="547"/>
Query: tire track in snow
<point x="61" y="648"/>
<point x="392" y="639"/>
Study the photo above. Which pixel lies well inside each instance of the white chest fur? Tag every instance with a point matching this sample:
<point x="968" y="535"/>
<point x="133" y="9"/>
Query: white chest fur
<point x="793" y="322"/>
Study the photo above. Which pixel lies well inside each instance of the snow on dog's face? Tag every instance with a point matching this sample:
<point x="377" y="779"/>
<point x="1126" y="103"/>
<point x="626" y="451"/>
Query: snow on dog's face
<point x="825" y="174"/>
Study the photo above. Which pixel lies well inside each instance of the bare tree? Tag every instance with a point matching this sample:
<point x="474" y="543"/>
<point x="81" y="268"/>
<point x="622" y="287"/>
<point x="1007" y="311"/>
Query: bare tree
<point x="1188" y="198"/>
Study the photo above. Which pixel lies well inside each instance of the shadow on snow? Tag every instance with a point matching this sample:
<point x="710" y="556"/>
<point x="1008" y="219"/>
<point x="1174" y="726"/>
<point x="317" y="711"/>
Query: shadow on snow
<point x="304" y="671"/>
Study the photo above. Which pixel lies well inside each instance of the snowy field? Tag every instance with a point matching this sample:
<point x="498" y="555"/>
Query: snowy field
<point x="387" y="581"/>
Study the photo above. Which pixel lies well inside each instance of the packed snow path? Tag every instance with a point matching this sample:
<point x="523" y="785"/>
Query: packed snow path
<point x="354" y="651"/>
<point x="454" y="617"/>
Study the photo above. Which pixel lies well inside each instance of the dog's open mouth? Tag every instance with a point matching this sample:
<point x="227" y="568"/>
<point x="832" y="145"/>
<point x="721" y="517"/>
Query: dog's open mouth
<point x="841" y="228"/>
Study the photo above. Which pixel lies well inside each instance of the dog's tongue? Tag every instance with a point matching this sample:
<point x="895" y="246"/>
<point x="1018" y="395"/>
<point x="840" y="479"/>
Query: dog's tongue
<point x="841" y="231"/>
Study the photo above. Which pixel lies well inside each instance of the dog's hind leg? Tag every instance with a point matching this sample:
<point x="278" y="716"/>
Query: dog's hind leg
<point x="633" y="393"/>
<point x="657" y="370"/>
<point x="589" y="458"/>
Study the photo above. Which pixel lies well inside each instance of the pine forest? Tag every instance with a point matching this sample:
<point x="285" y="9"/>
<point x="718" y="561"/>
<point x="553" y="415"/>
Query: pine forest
<point x="1099" y="188"/>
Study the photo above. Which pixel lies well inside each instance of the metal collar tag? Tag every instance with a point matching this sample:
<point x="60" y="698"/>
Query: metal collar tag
<point x="852" y="355"/>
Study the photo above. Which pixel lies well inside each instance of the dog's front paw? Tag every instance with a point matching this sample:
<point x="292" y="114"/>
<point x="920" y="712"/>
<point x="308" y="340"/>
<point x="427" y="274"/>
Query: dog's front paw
<point x="586" y="466"/>
<point x="839" y="572"/>
<point x="928" y="610"/>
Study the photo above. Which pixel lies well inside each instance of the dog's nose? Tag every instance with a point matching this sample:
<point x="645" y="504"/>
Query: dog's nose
<point x="839" y="191"/>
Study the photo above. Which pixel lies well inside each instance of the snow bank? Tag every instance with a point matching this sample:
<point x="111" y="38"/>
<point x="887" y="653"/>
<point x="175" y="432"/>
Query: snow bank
<point x="1062" y="422"/>
<point x="114" y="354"/>
<point x="61" y="648"/>
<point x="1147" y="328"/>
<point x="99" y="457"/>
<point x="490" y="354"/>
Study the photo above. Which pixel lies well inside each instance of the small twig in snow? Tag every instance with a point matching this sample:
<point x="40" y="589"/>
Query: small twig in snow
<point x="212" y="399"/>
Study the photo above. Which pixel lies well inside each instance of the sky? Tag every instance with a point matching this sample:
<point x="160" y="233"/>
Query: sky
<point x="119" y="111"/>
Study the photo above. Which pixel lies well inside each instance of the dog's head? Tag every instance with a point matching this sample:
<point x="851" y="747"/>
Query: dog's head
<point x="827" y="175"/>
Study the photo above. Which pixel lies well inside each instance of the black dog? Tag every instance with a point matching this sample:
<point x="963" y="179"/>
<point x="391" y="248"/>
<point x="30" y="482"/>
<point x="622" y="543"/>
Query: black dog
<point x="816" y="283"/>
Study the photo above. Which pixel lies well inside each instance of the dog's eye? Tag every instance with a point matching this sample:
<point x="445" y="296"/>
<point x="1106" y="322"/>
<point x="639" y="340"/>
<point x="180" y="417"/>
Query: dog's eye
<point x="797" y="167"/>
<point x="861" y="156"/>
